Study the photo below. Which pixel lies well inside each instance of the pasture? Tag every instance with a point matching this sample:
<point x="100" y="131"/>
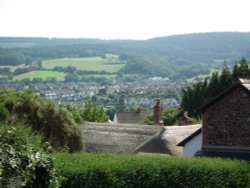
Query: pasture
<point x="59" y="76"/>
<point x="109" y="64"/>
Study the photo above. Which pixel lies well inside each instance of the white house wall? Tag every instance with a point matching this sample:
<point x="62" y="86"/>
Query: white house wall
<point x="192" y="146"/>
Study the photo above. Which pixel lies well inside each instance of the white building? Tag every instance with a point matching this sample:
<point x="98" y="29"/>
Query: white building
<point x="191" y="144"/>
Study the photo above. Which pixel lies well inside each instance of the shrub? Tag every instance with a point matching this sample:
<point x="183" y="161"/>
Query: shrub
<point x="106" y="170"/>
<point x="24" y="160"/>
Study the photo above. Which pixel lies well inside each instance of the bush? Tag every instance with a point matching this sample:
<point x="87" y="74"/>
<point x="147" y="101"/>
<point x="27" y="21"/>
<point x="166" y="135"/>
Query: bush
<point x="106" y="170"/>
<point x="24" y="160"/>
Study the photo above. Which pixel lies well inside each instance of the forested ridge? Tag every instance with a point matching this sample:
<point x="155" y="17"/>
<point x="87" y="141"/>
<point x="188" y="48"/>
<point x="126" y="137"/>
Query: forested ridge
<point x="177" y="57"/>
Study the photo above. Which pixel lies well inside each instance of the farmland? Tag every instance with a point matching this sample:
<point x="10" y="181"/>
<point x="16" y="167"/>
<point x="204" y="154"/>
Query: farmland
<point x="59" y="76"/>
<point x="110" y="63"/>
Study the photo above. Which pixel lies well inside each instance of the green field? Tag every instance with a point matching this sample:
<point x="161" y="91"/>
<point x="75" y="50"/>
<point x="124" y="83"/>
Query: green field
<point x="110" y="64"/>
<point x="41" y="74"/>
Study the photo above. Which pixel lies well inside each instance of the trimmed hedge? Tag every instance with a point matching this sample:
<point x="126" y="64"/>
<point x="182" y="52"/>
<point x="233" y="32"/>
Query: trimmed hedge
<point x="107" y="170"/>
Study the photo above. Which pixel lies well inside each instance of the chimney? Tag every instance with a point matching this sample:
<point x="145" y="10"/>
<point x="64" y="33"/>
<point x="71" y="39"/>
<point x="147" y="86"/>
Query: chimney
<point x="158" y="113"/>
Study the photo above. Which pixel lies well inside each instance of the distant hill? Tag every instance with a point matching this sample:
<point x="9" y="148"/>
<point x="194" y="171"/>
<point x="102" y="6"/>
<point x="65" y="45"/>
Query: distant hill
<point x="203" y="47"/>
<point x="178" y="57"/>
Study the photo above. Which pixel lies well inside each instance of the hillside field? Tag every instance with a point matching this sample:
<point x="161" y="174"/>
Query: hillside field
<point x="109" y="64"/>
<point x="41" y="74"/>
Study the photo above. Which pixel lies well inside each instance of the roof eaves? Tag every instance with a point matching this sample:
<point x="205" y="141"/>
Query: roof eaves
<point x="190" y="137"/>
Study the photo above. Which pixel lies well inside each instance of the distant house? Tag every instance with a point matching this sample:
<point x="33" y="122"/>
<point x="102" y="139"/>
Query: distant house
<point x="191" y="144"/>
<point x="226" y="124"/>
<point x="130" y="117"/>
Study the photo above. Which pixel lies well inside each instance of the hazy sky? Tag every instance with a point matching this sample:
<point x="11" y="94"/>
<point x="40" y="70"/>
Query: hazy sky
<point x="121" y="19"/>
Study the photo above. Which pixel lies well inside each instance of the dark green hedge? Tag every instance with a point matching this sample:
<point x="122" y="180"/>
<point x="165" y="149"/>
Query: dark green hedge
<point x="106" y="170"/>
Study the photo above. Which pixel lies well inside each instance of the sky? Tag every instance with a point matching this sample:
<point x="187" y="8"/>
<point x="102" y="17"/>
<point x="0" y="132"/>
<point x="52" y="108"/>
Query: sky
<point x="121" y="19"/>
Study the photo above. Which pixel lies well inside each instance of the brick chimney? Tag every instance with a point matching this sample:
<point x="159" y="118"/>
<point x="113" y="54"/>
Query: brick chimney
<point x="158" y="113"/>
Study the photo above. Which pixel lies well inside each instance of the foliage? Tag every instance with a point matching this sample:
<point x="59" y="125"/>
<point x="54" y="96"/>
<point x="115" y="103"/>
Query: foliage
<point x="149" y="120"/>
<point x="106" y="170"/>
<point x="199" y="94"/>
<point x="90" y="112"/>
<point x="76" y="113"/>
<point x="120" y="103"/>
<point x="93" y="113"/>
<point x="171" y="116"/>
<point x="24" y="160"/>
<point x="55" y="124"/>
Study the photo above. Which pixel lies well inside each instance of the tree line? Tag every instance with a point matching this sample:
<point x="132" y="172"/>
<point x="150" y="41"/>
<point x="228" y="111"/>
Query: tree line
<point x="200" y="93"/>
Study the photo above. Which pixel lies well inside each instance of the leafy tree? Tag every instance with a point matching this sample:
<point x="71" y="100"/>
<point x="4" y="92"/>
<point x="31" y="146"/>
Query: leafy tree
<point x="76" y="113"/>
<point x="149" y="120"/>
<point x="93" y="113"/>
<point x="171" y="116"/>
<point x="71" y="69"/>
<point x="71" y="78"/>
<point x="55" y="124"/>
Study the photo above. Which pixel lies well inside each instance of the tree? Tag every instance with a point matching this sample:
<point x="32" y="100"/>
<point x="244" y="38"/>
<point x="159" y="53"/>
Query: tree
<point x="56" y="125"/>
<point x="200" y="93"/>
<point x="241" y="70"/>
<point x="71" y="78"/>
<point x="71" y="69"/>
<point x="120" y="103"/>
<point x="93" y="113"/>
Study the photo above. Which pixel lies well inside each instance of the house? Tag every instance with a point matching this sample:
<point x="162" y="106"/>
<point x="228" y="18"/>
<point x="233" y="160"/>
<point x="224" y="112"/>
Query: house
<point x="166" y="140"/>
<point x="192" y="143"/>
<point x="226" y="124"/>
<point x="134" y="139"/>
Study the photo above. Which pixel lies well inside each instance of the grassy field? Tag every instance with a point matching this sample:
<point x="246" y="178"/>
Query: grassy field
<point x="41" y="74"/>
<point x="110" y="64"/>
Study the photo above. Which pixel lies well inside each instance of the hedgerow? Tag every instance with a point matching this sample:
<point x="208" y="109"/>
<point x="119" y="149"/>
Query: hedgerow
<point x="107" y="170"/>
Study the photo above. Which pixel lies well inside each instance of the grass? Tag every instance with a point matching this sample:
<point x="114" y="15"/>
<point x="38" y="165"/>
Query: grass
<point x="110" y="64"/>
<point x="41" y="74"/>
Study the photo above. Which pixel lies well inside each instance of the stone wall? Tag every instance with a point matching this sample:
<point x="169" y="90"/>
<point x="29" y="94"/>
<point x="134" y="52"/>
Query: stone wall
<point x="227" y="121"/>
